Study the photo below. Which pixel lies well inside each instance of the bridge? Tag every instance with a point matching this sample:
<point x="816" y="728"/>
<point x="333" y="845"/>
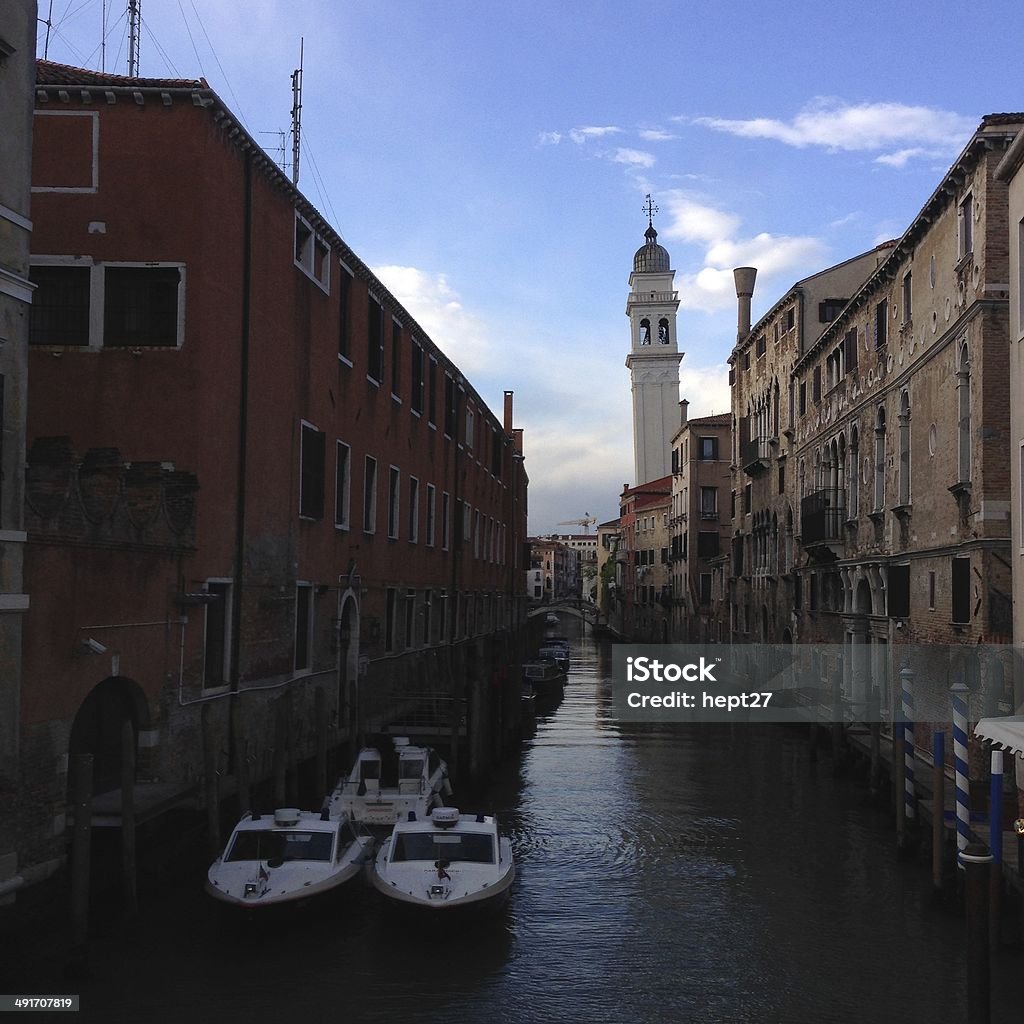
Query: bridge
<point x="572" y="606"/>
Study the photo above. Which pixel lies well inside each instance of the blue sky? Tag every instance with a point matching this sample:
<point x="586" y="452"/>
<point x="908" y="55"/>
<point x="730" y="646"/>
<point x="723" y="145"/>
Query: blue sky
<point x="490" y="161"/>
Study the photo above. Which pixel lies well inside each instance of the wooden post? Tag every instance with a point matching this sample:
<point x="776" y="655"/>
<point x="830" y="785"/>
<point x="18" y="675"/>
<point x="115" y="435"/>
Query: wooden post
<point x="241" y="758"/>
<point x="976" y="861"/>
<point x="81" y="842"/>
<point x="131" y="896"/>
<point x="211" y="789"/>
<point x="995" y="817"/>
<point x="938" y="806"/>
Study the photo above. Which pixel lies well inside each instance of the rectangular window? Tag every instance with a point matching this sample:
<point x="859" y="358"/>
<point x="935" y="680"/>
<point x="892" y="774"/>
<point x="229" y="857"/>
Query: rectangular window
<point x="760" y="345"/>
<point x="140" y="306"/>
<point x="59" y="314"/>
<point x="428" y="601"/>
<point x="908" y="298"/>
<point x="898" y="590"/>
<point x="707" y="544"/>
<point x="709" y="503"/>
<point x="416" y="393"/>
<point x="469" y="429"/>
<point x="961" y="590"/>
<point x="429" y="526"/>
<point x="432" y="392"/>
<point x="394" y="502"/>
<point x="414" y="510"/>
<point x="312" y="254"/>
<point x="396" y="358"/>
<point x="881" y="323"/>
<point x="931" y="590"/>
<point x="803" y="398"/>
<point x="782" y="478"/>
<point x="370" y="495"/>
<point x="217" y="636"/>
<point x="303" y="625"/>
<point x="445" y="521"/>
<point x="344" y="314"/>
<point x="816" y="385"/>
<point x="965" y="226"/>
<point x="410" y="617"/>
<point x="789" y="320"/>
<point x="708" y="449"/>
<point x="375" y="341"/>
<point x="390" y="610"/>
<point x="850" y="350"/>
<point x="311" y="474"/>
<point x="704" y="588"/>
<point x="342" y="484"/>
<point x="830" y="309"/>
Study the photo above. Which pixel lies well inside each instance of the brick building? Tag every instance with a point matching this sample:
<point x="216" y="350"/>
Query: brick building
<point x="263" y="506"/>
<point x="700" y="524"/>
<point x="643" y="594"/>
<point x="558" y="563"/>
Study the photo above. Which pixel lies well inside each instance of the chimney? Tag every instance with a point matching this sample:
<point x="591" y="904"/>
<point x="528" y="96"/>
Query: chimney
<point x="517" y="440"/>
<point x="744" y="277"/>
<point x="683" y="406"/>
<point x="508" y="411"/>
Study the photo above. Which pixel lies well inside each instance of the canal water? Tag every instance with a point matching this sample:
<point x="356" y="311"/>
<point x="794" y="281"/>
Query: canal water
<point x="688" y="873"/>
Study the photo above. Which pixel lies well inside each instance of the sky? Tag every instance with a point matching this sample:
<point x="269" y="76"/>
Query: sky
<point x="489" y="161"/>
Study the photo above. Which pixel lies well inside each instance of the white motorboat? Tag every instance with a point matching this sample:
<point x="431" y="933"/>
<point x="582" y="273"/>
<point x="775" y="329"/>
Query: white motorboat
<point x="379" y="793"/>
<point x="286" y="858"/>
<point x="445" y="862"/>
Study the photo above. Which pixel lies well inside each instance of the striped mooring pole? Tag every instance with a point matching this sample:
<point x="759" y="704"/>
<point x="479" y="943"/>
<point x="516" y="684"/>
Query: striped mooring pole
<point x="907" y="688"/>
<point x="960" y="692"/>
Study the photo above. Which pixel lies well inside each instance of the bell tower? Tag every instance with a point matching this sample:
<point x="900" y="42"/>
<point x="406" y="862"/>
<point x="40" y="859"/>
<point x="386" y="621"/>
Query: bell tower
<point x="654" y="356"/>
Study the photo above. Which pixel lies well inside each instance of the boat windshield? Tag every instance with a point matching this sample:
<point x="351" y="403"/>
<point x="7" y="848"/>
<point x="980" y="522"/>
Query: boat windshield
<point x="280" y="846"/>
<point x="410" y="768"/>
<point x="450" y="846"/>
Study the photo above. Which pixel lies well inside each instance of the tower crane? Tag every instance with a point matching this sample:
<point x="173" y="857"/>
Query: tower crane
<point x="586" y="522"/>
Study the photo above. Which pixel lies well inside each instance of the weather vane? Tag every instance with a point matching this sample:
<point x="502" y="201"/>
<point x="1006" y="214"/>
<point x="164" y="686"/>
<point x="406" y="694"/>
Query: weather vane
<point x="650" y="209"/>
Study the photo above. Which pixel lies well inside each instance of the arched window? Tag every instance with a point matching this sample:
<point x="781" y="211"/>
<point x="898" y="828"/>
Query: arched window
<point x="774" y="432"/>
<point x="663" y="338"/>
<point x="904" y="425"/>
<point x="963" y="401"/>
<point x="645" y="331"/>
<point x="879" y="501"/>
<point x="841" y="478"/>
<point x="854" y="476"/>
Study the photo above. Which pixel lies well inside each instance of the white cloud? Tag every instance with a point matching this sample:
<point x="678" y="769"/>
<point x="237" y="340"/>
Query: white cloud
<point x="711" y="289"/>
<point x="633" y="157"/>
<point x="835" y="125"/>
<point x="462" y="336"/>
<point x="843" y="221"/>
<point x="549" y="138"/>
<point x="581" y="135"/>
<point x="655" y="135"/>
<point x="706" y="388"/>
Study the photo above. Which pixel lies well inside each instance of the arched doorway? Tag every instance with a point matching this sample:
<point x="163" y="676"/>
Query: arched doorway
<point x="348" y="697"/>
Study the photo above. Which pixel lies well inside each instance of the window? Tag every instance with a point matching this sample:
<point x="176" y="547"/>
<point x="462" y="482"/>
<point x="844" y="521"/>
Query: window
<point x="898" y="591"/>
<point x="217" y="635"/>
<point x="803" y="398"/>
<point x="445" y="520"/>
<point x="782" y="478"/>
<point x="451" y="398"/>
<point x="816" y="385"/>
<point x="904" y="428"/>
<point x="850" y="350"/>
<point x="830" y="309"/>
<point x="707" y="544"/>
<point x="396" y="358"/>
<point x="789" y="320"/>
<point x="879" y="497"/>
<point x="704" y="588"/>
<point x="410" y="616"/>
<point x="312" y="254"/>
<point x="663" y="335"/>
<point x="645" y="332"/>
<point x="370" y="495"/>
<point x="965" y="226"/>
<point x="931" y="590"/>
<point x="342" y="484"/>
<point x="375" y="341"/>
<point x="303" y="625"/>
<point x="414" y="510"/>
<point x="709" y="503"/>
<point x="416" y="392"/>
<point x="394" y="498"/>
<point x="908" y="298"/>
<point x="59" y="314"/>
<point x="963" y="400"/>
<point x="344" y="314"/>
<point x="881" y="323"/>
<point x="142" y="306"/>
<point x="708" y="449"/>
<point x="429" y="526"/>
<point x="760" y="346"/>
<point x="469" y="429"/>
<point x="390" y="609"/>
<point x="747" y="499"/>
<point x="432" y="392"/>
<point x="311" y="473"/>
<point x="428" y="600"/>
<point x="961" y="590"/>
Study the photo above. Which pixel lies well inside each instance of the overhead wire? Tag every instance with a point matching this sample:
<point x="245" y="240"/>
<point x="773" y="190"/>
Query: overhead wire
<point x="195" y="49"/>
<point x="227" y="82"/>
<point x="160" y="50"/>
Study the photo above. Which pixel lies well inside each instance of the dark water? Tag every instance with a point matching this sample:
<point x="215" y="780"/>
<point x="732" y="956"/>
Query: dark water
<point x="700" y="873"/>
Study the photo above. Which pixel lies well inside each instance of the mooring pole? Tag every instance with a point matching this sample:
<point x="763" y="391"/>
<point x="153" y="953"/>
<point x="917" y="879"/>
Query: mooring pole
<point x="960" y="693"/>
<point x="131" y="896"/>
<point x="81" y="841"/>
<point x="995" y="842"/>
<point x="976" y="860"/>
<point x="938" y="806"/>
<point x="909" y="796"/>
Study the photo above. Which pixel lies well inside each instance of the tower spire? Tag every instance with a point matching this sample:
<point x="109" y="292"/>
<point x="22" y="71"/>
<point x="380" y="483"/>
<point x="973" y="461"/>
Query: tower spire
<point x="650" y="208"/>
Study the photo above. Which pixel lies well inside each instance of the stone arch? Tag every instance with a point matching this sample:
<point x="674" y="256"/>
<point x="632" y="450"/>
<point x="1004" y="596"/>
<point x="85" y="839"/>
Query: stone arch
<point x="348" y="661"/>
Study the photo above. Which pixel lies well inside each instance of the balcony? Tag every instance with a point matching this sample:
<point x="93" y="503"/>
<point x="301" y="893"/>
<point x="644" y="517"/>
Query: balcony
<point x="821" y="515"/>
<point x="755" y="455"/>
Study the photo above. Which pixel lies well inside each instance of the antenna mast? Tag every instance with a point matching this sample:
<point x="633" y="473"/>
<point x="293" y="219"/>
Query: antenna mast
<point x="134" y="22"/>
<point x="297" y="114"/>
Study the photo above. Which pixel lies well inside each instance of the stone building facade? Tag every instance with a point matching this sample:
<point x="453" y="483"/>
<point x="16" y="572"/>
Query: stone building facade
<point x="644" y="575"/>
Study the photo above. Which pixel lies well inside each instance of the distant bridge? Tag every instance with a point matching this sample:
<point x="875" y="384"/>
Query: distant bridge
<point x="572" y="606"/>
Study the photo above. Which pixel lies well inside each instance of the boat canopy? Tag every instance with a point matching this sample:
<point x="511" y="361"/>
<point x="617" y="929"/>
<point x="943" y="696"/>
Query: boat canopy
<point x="1007" y="732"/>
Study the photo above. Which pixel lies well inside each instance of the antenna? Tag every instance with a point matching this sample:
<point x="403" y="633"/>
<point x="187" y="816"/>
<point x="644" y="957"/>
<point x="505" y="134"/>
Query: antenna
<point x="134" y="22"/>
<point x="280" y="149"/>
<point x="297" y="113"/>
<point x="103" y="35"/>
<point x="49" y="24"/>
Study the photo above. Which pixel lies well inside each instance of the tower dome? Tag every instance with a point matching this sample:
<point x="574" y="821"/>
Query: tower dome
<point x="651" y="257"/>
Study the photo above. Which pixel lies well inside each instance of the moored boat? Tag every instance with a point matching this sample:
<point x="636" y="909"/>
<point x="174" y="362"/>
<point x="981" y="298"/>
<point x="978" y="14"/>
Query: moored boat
<point x="286" y="858"/>
<point x="545" y="679"/>
<point x="379" y="793"/>
<point x="445" y="862"/>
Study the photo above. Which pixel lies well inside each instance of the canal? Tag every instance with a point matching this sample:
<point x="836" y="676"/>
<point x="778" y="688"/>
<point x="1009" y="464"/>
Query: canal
<point x="698" y="873"/>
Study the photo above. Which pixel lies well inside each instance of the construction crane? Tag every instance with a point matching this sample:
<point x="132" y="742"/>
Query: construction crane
<point x="586" y="522"/>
